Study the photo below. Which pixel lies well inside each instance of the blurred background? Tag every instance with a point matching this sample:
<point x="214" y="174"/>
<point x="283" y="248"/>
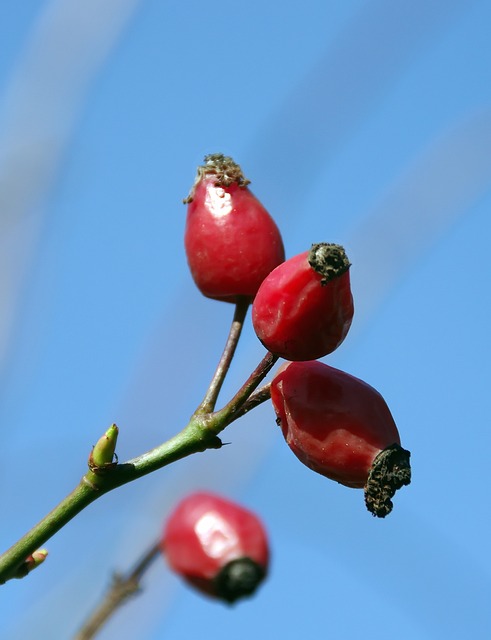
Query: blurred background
<point x="366" y="123"/>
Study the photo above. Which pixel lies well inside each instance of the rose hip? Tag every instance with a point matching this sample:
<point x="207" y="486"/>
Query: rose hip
<point x="217" y="546"/>
<point x="342" y="428"/>
<point x="231" y="241"/>
<point x="304" y="307"/>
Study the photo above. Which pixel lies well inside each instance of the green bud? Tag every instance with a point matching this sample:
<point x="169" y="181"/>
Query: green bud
<point x="37" y="558"/>
<point x="103" y="452"/>
<point x="30" y="563"/>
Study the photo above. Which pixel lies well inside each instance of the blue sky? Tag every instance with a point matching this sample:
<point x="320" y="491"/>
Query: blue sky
<point x="364" y="123"/>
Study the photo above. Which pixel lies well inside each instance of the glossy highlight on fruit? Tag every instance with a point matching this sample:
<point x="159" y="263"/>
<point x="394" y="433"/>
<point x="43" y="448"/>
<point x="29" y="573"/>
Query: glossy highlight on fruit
<point x="231" y="241"/>
<point x="304" y="308"/>
<point x="217" y="546"/>
<point x="342" y="428"/>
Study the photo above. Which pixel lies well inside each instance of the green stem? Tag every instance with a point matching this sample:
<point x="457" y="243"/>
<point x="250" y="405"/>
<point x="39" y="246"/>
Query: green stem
<point x="67" y="509"/>
<point x="193" y="439"/>
<point x="210" y="399"/>
<point x="199" y="435"/>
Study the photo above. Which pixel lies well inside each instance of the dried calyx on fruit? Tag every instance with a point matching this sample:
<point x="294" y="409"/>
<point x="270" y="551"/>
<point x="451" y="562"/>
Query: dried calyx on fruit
<point x="231" y="241"/>
<point x="217" y="546"/>
<point x="304" y="308"/>
<point x="342" y="428"/>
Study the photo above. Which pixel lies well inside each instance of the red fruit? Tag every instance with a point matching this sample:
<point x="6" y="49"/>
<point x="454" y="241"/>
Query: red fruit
<point x="304" y="307"/>
<point x="231" y="241"/>
<point x="342" y="428"/>
<point x="217" y="546"/>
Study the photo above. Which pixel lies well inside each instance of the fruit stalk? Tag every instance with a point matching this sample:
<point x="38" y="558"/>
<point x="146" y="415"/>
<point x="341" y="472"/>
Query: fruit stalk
<point x="209" y="401"/>
<point x="121" y="589"/>
<point x="233" y="409"/>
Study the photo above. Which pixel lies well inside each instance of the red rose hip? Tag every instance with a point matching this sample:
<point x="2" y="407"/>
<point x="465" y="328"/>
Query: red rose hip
<point x="342" y="428"/>
<point x="231" y="241"/>
<point x="217" y="546"/>
<point x="304" y="308"/>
